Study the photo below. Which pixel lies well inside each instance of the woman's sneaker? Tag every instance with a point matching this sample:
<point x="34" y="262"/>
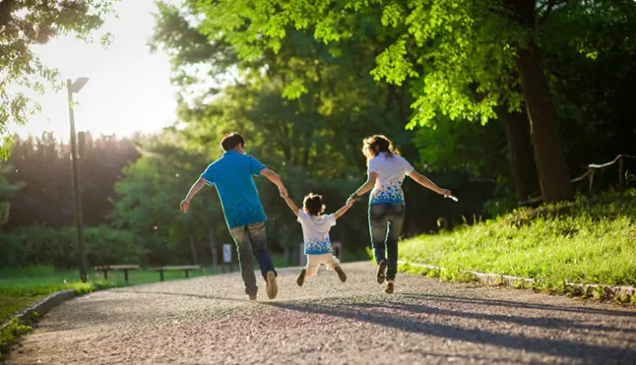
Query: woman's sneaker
<point x="341" y="274"/>
<point x="301" y="277"/>
<point x="390" y="287"/>
<point x="381" y="273"/>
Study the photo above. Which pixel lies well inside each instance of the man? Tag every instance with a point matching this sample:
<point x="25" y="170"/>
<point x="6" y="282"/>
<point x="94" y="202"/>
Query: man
<point x="242" y="207"/>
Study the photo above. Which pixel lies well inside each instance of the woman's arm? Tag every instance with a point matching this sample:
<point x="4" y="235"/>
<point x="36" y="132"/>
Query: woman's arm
<point x="368" y="185"/>
<point x="427" y="183"/>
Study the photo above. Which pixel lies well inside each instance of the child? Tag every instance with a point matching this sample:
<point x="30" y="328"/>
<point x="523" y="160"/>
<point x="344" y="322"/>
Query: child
<point x="244" y="215"/>
<point x="316" y="228"/>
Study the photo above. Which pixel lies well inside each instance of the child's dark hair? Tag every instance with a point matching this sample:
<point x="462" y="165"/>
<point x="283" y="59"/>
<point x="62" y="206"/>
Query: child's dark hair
<point x="381" y="142"/>
<point x="313" y="204"/>
<point x="230" y="141"/>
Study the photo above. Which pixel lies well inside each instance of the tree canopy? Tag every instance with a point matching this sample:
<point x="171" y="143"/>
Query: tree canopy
<point x="23" y="25"/>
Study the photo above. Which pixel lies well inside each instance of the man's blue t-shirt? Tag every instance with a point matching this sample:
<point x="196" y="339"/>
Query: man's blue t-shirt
<point x="232" y="176"/>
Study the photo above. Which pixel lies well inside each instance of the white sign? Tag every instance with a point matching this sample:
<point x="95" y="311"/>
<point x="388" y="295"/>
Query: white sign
<point x="303" y="258"/>
<point x="227" y="253"/>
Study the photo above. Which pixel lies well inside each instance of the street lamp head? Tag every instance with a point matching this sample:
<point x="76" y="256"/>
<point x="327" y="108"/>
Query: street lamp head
<point x="79" y="84"/>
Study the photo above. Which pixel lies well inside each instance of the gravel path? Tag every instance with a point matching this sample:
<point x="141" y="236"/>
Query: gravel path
<point x="209" y="320"/>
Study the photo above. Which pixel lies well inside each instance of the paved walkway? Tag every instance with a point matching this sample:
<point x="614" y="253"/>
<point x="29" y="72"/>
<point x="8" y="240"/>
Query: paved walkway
<point x="209" y="320"/>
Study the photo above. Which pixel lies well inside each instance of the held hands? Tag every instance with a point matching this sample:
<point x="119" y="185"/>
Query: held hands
<point x="185" y="205"/>
<point x="283" y="192"/>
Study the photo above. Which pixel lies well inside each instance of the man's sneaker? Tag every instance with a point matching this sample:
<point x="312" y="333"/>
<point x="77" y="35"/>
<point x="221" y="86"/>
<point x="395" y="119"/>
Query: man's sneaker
<point x="390" y="286"/>
<point x="272" y="287"/>
<point x="381" y="275"/>
<point x="301" y="277"/>
<point x="341" y="274"/>
<point x="253" y="297"/>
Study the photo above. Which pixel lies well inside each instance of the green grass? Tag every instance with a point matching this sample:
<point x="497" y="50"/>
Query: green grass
<point x="20" y="287"/>
<point x="589" y="241"/>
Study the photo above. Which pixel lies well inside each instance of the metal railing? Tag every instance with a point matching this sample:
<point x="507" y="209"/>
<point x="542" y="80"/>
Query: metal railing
<point x="590" y="175"/>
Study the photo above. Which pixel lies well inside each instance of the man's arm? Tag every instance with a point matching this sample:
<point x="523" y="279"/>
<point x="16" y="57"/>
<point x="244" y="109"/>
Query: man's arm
<point x="368" y="185"/>
<point x="291" y="204"/>
<point x="275" y="179"/>
<point x="427" y="183"/>
<point x="198" y="185"/>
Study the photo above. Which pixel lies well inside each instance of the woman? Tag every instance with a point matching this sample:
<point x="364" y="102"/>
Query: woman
<point x="386" y="171"/>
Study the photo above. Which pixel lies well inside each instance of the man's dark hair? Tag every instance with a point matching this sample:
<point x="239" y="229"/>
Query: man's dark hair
<point x="313" y="204"/>
<point x="230" y="141"/>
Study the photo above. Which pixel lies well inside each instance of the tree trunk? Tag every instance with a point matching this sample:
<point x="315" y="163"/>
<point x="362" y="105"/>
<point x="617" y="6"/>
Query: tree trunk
<point x="193" y="250"/>
<point x="554" y="181"/>
<point x="522" y="165"/>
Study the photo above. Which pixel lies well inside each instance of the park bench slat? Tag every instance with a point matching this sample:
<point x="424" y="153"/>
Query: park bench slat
<point x="125" y="268"/>
<point x="117" y="267"/>
<point x="183" y="267"/>
<point x="186" y="269"/>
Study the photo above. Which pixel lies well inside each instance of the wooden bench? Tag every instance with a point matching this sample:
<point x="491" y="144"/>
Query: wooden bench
<point x="124" y="268"/>
<point x="186" y="269"/>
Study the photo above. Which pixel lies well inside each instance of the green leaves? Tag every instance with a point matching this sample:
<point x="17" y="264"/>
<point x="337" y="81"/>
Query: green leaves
<point x="392" y="64"/>
<point x="294" y="90"/>
<point x="392" y="15"/>
<point x="22" y="25"/>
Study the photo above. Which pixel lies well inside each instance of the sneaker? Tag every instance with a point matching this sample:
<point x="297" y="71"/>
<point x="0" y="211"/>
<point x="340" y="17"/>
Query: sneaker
<point x="341" y="274"/>
<point x="381" y="275"/>
<point x="390" y="286"/>
<point x="253" y="297"/>
<point x="272" y="287"/>
<point x="301" y="277"/>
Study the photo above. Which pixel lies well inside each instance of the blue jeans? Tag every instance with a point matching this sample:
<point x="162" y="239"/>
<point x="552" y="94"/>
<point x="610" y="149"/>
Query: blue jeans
<point x="246" y="237"/>
<point x="385" y="225"/>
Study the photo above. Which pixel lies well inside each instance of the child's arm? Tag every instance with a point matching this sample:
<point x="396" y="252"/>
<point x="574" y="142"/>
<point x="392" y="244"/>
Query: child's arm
<point x="427" y="183"/>
<point x="344" y="209"/>
<point x="291" y="204"/>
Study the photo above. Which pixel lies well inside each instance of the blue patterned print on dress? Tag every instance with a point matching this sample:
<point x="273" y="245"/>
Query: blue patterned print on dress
<point x="318" y="247"/>
<point x="243" y="213"/>
<point x="391" y="193"/>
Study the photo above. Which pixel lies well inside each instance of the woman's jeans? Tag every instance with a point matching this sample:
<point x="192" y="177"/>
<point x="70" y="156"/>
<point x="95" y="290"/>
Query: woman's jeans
<point x="385" y="225"/>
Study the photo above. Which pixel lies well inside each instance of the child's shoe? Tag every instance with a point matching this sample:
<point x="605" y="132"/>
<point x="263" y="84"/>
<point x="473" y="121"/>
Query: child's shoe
<point x="341" y="274"/>
<point x="301" y="277"/>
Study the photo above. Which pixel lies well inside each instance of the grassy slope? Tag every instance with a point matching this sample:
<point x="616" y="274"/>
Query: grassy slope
<point x="587" y="242"/>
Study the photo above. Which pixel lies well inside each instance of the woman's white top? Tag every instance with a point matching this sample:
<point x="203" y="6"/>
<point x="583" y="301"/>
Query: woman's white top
<point x="391" y="170"/>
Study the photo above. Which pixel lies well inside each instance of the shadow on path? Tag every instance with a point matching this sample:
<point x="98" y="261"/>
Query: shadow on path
<point x="585" y="353"/>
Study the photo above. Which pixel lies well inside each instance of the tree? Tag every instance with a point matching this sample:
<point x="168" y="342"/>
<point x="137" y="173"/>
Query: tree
<point x="449" y="51"/>
<point x="148" y="196"/>
<point x="23" y="24"/>
<point x="6" y="190"/>
<point x="43" y="165"/>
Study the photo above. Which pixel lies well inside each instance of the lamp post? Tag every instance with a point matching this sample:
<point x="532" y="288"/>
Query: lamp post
<point x="74" y="87"/>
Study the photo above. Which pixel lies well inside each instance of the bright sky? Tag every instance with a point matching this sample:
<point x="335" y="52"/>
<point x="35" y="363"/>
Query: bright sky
<point x="129" y="88"/>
